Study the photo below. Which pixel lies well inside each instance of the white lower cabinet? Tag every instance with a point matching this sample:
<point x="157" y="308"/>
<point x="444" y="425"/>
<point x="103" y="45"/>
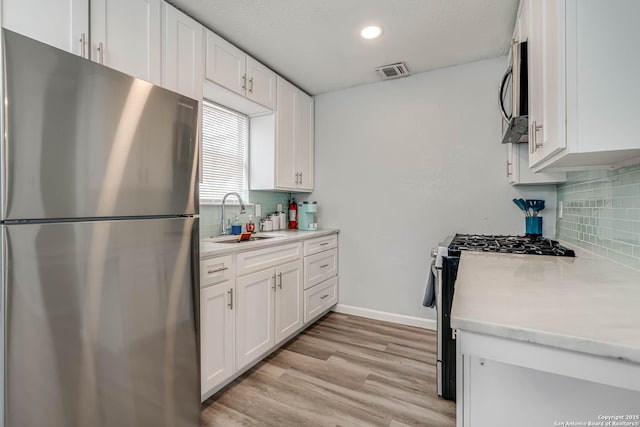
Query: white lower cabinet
<point x="288" y="307"/>
<point x="320" y="276"/>
<point x="269" y="310"/>
<point x="217" y="334"/>
<point x="254" y="316"/>
<point x="253" y="301"/>
<point x="320" y="298"/>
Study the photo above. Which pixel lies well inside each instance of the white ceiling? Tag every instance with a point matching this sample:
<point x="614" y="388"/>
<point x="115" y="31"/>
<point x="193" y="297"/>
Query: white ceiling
<point x="316" y="43"/>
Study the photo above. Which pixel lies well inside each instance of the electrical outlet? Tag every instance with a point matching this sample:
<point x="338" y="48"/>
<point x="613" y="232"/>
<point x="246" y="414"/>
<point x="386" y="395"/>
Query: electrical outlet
<point x="258" y="209"/>
<point x="279" y="207"/>
<point x="560" y="209"/>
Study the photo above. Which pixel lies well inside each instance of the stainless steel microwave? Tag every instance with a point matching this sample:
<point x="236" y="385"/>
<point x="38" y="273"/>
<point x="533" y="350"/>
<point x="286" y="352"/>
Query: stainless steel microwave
<point x="513" y="96"/>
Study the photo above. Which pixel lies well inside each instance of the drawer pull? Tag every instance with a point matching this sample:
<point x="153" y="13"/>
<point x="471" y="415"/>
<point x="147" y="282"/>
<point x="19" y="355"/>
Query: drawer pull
<point x="324" y="296"/>
<point x="217" y="270"/>
<point x="324" y="244"/>
<point x="324" y="266"/>
<point x="230" y="304"/>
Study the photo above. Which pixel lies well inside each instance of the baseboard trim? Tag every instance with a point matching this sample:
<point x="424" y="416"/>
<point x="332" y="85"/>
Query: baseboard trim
<point x="401" y="319"/>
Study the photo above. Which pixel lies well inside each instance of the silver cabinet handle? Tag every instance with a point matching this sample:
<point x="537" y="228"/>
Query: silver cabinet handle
<point x="324" y="266"/>
<point x="324" y="296"/>
<point x="83" y="45"/>
<point x="101" y="53"/>
<point x="508" y="168"/>
<point x="217" y="270"/>
<point x="274" y="281"/>
<point x="280" y="277"/>
<point x="244" y="81"/>
<point x="532" y="136"/>
<point x="230" y="292"/>
<point x="324" y="244"/>
<point x="536" y="128"/>
<point x="297" y="177"/>
<point x="251" y="85"/>
<point x="300" y="177"/>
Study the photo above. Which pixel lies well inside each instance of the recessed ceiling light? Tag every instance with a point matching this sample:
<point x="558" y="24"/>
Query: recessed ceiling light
<point x="371" y="32"/>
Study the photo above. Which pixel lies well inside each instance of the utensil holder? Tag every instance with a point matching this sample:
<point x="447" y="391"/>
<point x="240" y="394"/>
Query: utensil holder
<point x="533" y="225"/>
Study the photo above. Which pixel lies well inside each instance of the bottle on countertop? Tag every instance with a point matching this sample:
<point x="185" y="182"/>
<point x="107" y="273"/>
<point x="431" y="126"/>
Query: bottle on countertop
<point x="236" y="226"/>
<point x="251" y="226"/>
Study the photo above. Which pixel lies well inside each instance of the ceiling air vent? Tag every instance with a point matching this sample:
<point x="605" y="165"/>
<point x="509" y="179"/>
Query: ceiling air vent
<point x="392" y="71"/>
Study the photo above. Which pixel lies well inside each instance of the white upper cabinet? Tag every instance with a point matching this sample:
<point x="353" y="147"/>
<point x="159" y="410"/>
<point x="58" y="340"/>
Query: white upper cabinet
<point x="519" y="172"/>
<point x="304" y="146"/>
<point x="60" y="23"/>
<point x="183" y="50"/>
<point x="261" y="83"/>
<point x="584" y="108"/>
<point x="126" y="35"/>
<point x="286" y="167"/>
<point x="517" y="167"/>
<point x="282" y="151"/>
<point x="226" y="64"/>
<point x="231" y="68"/>
<point x="294" y="138"/>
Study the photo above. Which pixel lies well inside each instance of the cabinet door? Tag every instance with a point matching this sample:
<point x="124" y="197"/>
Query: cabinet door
<point x="547" y="118"/>
<point x="60" y="23"/>
<point x="125" y="35"/>
<point x="225" y="64"/>
<point x="183" y="53"/>
<point x="254" y="316"/>
<point x="261" y="84"/>
<point x="217" y="326"/>
<point x="286" y="175"/>
<point x="519" y="172"/>
<point x="288" y="311"/>
<point x="304" y="147"/>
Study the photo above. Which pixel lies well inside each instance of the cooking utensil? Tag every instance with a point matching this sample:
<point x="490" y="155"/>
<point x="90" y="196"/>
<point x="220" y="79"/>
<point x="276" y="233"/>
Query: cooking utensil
<point x="535" y="205"/>
<point x="522" y="204"/>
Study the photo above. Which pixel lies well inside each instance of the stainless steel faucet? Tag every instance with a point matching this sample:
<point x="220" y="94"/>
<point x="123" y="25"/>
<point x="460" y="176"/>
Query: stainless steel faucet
<point x="223" y="227"/>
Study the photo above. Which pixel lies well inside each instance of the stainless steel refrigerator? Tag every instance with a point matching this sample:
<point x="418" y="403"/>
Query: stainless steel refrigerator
<point x="99" y="245"/>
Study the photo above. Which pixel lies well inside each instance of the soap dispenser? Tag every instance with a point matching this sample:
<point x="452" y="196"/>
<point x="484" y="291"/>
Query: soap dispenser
<point x="236" y="226"/>
<point x="251" y="226"/>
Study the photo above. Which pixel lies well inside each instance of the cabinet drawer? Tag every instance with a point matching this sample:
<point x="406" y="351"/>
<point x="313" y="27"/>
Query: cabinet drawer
<point x="320" y="244"/>
<point x="319" y="298"/>
<point x="320" y="267"/>
<point x="216" y="270"/>
<point x="249" y="262"/>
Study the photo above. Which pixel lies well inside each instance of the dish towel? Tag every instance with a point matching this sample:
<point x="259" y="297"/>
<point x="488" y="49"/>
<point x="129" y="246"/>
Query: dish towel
<point x="430" y="292"/>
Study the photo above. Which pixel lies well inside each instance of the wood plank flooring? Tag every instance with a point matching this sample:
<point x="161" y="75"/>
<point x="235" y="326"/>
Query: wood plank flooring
<point x="343" y="371"/>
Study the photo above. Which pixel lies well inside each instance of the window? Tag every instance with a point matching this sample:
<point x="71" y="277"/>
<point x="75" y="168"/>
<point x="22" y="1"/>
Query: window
<point x="224" y="153"/>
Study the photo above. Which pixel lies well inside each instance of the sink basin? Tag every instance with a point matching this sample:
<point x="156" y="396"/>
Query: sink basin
<point x="253" y="239"/>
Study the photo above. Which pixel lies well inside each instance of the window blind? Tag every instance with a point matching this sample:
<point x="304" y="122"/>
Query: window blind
<point x="224" y="153"/>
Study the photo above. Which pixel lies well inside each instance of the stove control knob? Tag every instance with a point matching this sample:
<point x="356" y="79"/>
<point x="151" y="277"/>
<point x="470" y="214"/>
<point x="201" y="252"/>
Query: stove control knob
<point x="434" y="252"/>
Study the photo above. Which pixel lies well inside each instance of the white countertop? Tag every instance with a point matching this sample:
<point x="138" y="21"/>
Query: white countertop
<point x="587" y="304"/>
<point x="212" y="247"/>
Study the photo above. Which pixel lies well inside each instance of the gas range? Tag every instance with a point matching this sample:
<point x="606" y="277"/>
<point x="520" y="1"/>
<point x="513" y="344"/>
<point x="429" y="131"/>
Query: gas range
<point x="446" y="258"/>
<point x="507" y="244"/>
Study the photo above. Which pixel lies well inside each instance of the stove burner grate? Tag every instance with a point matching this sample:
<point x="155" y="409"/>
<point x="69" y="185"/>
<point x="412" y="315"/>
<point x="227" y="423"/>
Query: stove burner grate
<point x="509" y="244"/>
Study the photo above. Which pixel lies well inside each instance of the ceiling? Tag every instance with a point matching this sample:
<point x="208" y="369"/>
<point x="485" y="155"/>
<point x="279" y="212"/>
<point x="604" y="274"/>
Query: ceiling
<point x="317" y="45"/>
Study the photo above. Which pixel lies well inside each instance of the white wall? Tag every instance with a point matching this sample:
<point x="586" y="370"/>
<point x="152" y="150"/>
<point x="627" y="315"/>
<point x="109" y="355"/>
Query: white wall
<point x="404" y="163"/>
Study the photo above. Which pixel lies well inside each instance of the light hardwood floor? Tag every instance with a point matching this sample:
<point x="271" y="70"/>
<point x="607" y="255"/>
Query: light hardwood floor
<point x="343" y="371"/>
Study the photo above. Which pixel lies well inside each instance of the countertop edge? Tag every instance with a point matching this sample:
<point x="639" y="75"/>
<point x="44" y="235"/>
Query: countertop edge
<point x="293" y="237"/>
<point x="549" y="339"/>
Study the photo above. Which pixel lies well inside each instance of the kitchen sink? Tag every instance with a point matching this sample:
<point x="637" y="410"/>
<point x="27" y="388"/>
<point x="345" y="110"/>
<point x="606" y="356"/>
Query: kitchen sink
<point x="253" y="239"/>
